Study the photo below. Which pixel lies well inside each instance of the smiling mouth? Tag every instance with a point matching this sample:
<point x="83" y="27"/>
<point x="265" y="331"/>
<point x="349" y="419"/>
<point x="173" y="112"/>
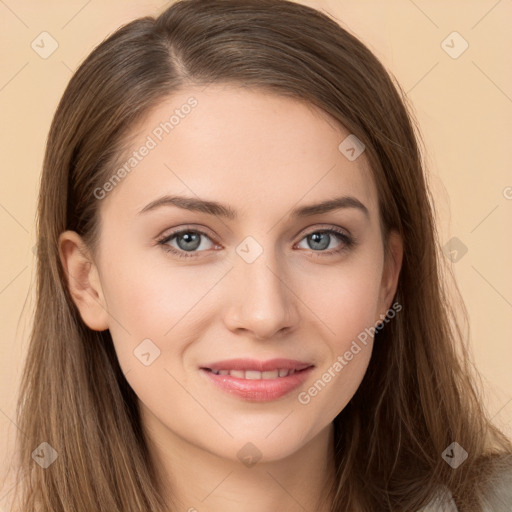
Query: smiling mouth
<point x="258" y="386"/>
<point x="257" y="375"/>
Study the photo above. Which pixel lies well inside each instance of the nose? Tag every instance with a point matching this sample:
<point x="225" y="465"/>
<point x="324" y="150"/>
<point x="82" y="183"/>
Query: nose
<point x="261" y="300"/>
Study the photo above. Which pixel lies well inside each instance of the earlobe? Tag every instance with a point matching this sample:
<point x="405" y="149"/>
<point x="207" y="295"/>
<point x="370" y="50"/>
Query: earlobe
<point x="83" y="280"/>
<point x="391" y="273"/>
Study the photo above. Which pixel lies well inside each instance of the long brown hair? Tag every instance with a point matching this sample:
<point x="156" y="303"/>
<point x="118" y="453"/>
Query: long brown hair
<point x="420" y="391"/>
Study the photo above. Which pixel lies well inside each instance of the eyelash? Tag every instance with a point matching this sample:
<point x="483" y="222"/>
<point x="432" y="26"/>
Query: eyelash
<point x="348" y="242"/>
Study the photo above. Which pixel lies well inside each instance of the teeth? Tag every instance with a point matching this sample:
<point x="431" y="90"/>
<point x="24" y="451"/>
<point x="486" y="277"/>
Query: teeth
<point x="256" y="375"/>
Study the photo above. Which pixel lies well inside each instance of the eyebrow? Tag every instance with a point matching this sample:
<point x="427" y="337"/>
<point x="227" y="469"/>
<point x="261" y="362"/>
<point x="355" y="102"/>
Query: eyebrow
<point x="219" y="209"/>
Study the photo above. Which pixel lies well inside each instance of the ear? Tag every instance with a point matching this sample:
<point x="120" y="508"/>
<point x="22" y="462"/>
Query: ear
<point x="391" y="272"/>
<point x="83" y="280"/>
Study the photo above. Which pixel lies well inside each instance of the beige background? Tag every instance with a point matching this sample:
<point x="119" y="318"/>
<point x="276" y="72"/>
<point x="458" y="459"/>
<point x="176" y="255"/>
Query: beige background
<point x="463" y="106"/>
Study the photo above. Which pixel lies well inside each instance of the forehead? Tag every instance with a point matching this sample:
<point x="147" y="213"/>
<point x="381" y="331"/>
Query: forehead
<point x="259" y="152"/>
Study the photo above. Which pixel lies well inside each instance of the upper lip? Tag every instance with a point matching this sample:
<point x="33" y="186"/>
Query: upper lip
<point x="255" y="365"/>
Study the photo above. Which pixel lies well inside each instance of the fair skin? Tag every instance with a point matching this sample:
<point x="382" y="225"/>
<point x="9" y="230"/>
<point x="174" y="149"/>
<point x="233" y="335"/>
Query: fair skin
<point x="262" y="155"/>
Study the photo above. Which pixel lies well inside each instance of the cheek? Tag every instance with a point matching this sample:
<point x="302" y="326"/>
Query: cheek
<point x="335" y="383"/>
<point x="347" y="355"/>
<point x="345" y="298"/>
<point x="348" y="312"/>
<point x="163" y="303"/>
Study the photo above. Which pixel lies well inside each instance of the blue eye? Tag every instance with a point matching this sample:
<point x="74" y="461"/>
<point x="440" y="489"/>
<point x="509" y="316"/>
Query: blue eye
<point x="321" y="240"/>
<point x="189" y="240"/>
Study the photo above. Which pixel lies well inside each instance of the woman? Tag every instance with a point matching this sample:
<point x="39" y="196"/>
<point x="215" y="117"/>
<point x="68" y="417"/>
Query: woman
<point x="241" y="297"/>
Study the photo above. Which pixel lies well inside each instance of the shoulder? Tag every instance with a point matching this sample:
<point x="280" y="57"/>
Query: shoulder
<point x="495" y="496"/>
<point x="443" y="502"/>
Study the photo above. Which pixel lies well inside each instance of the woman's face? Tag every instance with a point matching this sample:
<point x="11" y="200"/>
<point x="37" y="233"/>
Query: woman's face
<point x="262" y="283"/>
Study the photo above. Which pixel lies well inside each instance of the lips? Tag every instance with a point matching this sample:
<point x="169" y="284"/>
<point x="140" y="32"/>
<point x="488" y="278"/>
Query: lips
<point x="258" y="366"/>
<point x="254" y="374"/>
<point x="255" y="380"/>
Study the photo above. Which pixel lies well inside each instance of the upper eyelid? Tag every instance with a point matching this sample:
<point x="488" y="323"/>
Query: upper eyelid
<point x="201" y="230"/>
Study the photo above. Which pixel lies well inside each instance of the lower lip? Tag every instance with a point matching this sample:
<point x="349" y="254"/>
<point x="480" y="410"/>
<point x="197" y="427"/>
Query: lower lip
<point x="258" y="390"/>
